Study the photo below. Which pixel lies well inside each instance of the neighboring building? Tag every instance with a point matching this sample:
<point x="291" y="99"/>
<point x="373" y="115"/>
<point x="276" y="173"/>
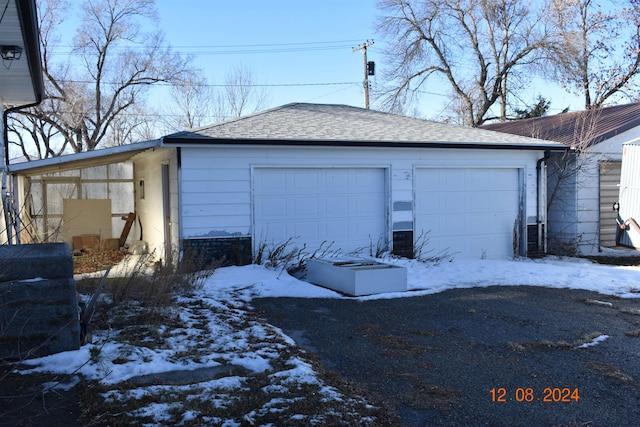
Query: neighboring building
<point x="629" y="204"/>
<point x="21" y="83"/>
<point x="583" y="183"/>
<point x="328" y="173"/>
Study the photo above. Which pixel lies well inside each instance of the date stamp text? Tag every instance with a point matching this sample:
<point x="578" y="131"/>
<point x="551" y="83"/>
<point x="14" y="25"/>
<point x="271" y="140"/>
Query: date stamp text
<point x="528" y="394"/>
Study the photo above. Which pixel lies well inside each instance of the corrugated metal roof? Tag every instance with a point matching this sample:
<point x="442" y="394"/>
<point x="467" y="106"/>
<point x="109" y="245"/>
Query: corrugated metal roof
<point x="339" y="125"/>
<point x="576" y="129"/>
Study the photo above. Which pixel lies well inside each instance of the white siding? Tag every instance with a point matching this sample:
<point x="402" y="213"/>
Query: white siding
<point x="216" y="180"/>
<point x="148" y="168"/>
<point x="588" y="207"/>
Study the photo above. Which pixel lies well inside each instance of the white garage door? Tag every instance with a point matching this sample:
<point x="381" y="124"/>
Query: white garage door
<point x="316" y="205"/>
<point x="467" y="213"/>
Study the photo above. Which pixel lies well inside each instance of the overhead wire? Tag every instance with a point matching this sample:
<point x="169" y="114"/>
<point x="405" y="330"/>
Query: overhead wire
<point x="235" y="49"/>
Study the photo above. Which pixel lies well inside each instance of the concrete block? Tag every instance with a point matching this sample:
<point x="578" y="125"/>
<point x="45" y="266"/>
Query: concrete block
<point x="38" y="317"/>
<point x="44" y="260"/>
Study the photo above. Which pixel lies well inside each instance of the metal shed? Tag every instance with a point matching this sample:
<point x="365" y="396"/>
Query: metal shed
<point x="629" y="199"/>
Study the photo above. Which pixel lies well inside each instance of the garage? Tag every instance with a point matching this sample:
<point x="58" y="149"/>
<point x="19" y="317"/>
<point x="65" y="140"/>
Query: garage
<point x="346" y="206"/>
<point x="467" y="213"/>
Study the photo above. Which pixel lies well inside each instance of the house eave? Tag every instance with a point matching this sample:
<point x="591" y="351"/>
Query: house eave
<point x="28" y="11"/>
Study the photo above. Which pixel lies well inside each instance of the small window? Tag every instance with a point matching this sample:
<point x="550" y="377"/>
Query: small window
<point x="141" y="189"/>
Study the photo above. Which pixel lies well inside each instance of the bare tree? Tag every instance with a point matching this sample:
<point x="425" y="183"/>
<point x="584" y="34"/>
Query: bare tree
<point x="193" y="101"/>
<point x="240" y="94"/>
<point x="598" y="54"/>
<point x="196" y="102"/>
<point x="113" y="63"/>
<point x="479" y="47"/>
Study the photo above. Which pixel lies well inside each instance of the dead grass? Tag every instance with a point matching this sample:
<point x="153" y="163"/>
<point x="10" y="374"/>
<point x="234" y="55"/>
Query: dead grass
<point x="92" y="260"/>
<point x="633" y="311"/>
<point x="394" y="345"/>
<point x="257" y="402"/>
<point x="610" y="371"/>
<point x="547" y="344"/>
<point x="142" y="308"/>
<point x="585" y="424"/>
<point x="608" y="304"/>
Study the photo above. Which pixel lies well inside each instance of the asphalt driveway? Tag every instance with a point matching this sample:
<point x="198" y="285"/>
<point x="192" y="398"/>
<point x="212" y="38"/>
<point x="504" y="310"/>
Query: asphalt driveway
<point x="435" y="359"/>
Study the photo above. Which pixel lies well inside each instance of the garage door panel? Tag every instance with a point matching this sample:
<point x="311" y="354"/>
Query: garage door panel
<point x="503" y="202"/>
<point x="453" y="202"/>
<point x="336" y="206"/>
<point x="471" y="213"/>
<point x="365" y="205"/>
<point x="306" y="180"/>
<point x="308" y="228"/>
<point x="305" y="207"/>
<point x="274" y="229"/>
<point x="339" y="205"/>
<point x="272" y="207"/>
<point x="272" y="179"/>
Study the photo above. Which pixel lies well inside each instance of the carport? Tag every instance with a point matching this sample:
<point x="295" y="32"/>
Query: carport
<point x="83" y="194"/>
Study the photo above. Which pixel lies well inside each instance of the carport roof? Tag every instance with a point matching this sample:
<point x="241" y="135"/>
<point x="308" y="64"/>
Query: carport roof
<point x="83" y="160"/>
<point x="342" y="125"/>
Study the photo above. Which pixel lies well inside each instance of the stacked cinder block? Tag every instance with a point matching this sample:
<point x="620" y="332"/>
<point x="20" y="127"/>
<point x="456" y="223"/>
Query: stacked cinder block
<point x="38" y="303"/>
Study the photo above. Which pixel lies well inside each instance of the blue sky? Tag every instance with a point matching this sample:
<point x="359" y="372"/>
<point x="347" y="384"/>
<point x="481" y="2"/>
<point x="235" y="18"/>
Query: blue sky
<point x="285" y="42"/>
<point x="282" y="42"/>
<point x="302" y="51"/>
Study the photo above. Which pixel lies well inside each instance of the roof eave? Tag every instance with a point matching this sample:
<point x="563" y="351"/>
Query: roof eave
<point x="83" y="159"/>
<point x="177" y="141"/>
<point x="29" y="19"/>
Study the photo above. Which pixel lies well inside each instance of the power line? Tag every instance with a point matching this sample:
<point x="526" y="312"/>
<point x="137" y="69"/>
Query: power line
<point x="236" y="49"/>
<point x="233" y="85"/>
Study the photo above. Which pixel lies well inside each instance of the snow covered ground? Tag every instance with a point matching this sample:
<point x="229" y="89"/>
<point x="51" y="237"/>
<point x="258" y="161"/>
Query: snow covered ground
<point x="219" y="329"/>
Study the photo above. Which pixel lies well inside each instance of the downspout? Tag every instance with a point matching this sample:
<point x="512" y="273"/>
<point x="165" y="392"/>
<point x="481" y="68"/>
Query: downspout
<point x="540" y="196"/>
<point x="7" y="198"/>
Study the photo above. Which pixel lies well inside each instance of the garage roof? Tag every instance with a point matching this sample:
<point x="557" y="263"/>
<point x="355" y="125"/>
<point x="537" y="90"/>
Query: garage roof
<point x="342" y="125"/>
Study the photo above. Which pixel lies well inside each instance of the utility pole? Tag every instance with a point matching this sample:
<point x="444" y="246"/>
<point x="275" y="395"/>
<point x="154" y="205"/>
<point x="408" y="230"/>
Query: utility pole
<point x="363" y="47"/>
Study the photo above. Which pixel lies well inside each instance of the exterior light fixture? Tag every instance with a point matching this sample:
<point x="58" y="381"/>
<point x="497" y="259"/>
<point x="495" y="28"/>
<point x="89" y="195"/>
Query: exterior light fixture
<point x="10" y="53"/>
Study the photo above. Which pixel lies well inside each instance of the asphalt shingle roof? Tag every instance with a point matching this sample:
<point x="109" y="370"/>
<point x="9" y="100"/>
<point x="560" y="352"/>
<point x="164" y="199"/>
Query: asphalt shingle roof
<point x="343" y="125"/>
<point x="576" y="129"/>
